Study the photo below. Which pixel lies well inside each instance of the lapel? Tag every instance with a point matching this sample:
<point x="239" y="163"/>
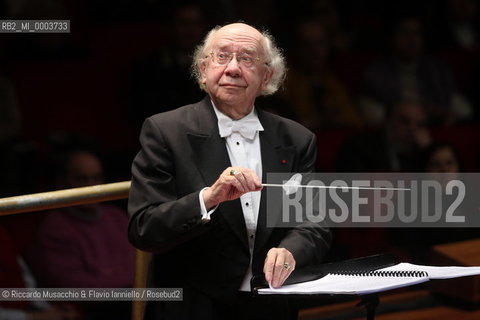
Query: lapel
<point x="276" y="157"/>
<point x="211" y="159"/>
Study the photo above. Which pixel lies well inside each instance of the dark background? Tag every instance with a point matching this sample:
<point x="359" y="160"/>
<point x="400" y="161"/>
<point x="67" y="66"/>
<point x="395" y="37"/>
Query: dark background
<point x="94" y="86"/>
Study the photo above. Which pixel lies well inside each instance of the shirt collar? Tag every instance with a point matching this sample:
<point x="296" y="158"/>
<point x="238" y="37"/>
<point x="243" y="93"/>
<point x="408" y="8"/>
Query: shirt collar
<point x="246" y="126"/>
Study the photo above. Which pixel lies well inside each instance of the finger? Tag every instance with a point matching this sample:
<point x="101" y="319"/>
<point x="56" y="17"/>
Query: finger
<point x="269" y="266"/>
<point x="248" y="178"/>
<point x="251" y="177"/>
<point x="237" y="184"/>
<point x="278" y="269"/>
<point x="284" y="265"/>
<point x="238" y="174"/>
<point x="242" y="177"/>
<point x="273" y="267"/>
<point x="257" y="181"/>
<point x="256" y="184"/>
<point x="287" y="270"/>
<point x="292" y="264"/>
<point x="231" y="177"/>
<point x="282" y="275"/>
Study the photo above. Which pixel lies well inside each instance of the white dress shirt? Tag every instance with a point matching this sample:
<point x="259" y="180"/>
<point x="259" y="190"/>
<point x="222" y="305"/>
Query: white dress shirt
<point x="243" y="152"/>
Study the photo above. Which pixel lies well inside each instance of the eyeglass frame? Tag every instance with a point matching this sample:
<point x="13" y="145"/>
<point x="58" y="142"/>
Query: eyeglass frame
<point x="230" y="58"/>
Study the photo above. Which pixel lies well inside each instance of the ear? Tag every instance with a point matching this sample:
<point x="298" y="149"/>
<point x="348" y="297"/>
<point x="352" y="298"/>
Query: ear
<point x="266" y="78"/>
<point x="203" y="71"/>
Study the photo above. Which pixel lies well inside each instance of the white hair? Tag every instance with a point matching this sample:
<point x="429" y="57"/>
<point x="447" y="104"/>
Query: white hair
<point x="273" y="54"/>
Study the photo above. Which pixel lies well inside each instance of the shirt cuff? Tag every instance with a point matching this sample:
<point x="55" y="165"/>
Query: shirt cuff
<point x="203" y="209"/>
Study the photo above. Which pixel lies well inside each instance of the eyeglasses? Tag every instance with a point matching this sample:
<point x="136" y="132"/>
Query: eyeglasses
<point x="223" y="58"/>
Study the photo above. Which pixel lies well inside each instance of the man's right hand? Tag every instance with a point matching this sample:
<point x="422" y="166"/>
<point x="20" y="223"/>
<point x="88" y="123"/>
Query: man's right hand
<point x="230" y="185"/>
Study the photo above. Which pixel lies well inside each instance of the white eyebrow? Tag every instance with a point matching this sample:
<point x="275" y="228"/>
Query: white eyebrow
<point x="249" y="50"/>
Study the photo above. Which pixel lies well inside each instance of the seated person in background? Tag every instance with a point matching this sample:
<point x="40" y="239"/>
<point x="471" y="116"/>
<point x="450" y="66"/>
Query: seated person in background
<point x="316" y="95"/>
<point x="462" y="27"/>
<point x="438" y="159"/>
<point x="83" y="246"/>
<point x="392" y="149"/>
<point x="409" y="74"/>
<point x="155" y="79"/>
<point x="14" y="273"/>
<point x="395" y="148"/>
<point x="441" y="157"/>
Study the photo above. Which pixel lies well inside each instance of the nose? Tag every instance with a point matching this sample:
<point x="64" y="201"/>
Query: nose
<point x="233" y="69"/>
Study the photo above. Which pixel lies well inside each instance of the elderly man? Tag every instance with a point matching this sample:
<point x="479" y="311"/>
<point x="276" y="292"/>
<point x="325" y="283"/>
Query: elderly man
<point x="196" y="198"/>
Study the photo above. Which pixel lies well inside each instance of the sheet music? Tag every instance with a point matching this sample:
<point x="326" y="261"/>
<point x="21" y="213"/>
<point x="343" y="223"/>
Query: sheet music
<point x="365" y="284"/>
<point x="346" y="284"/>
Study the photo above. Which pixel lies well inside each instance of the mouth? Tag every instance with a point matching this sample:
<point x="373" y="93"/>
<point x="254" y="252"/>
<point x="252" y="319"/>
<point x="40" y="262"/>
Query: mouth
<point x="232" y="85"/>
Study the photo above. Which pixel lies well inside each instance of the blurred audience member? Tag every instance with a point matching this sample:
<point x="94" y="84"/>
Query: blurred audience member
<point x="15" y="235"/>
<point x="162" y="81"/>
<point x="395" y="148"/>
<point x="392" y="149"/>
<point x="327" y="12"/>
<point x="441" y="157"/>
<point x="409" y="74"/>
<point x="443" y="162"/>
<point x="459" y="26"/>
<point x="84" y="246"/>
<point x="315" y="94"/>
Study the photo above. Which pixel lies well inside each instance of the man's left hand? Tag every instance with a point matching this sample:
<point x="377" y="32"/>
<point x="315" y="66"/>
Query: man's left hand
<point x="278" y="266"/>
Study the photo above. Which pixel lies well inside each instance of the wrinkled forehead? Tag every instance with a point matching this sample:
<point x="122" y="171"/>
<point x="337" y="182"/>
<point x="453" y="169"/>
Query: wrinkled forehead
<point x="237" y="38"/>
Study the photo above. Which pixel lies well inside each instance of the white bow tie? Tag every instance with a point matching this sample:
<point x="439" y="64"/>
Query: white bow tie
<point x="246" y="127"/>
